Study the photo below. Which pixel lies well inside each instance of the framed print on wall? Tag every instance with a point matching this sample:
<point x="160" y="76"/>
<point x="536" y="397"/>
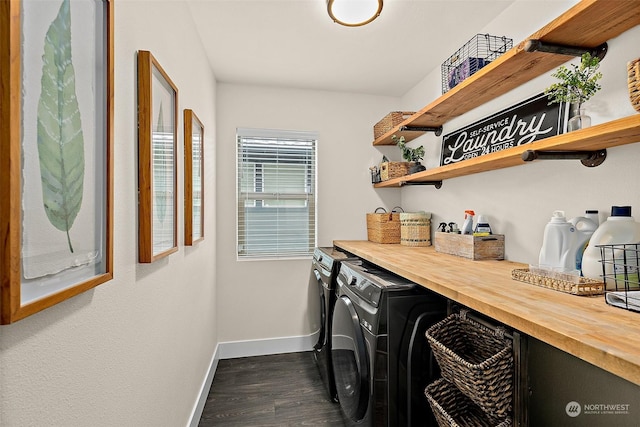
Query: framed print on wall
<point x="157" y="168"/>
<point x="193" y="178"/>
<point x="56" y="110"/>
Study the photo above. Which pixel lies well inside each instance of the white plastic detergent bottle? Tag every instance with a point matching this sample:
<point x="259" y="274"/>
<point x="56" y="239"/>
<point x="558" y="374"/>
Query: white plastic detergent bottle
<point x="593" y="215"/>
<point x="585" y="227"/>
<point x="559" y="244"/>
<point x="619" y="228"/>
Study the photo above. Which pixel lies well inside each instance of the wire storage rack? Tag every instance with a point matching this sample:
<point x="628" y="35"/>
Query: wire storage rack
<point x="620" y="268"/>
<point x="472" y="56"/>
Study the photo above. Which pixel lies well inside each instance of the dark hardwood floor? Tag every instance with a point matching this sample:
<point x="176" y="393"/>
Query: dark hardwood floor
<point x="275" y="390"/>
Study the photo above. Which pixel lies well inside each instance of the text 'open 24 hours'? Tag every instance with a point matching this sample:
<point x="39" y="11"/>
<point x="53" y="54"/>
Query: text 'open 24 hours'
<point x="528" y="121"/>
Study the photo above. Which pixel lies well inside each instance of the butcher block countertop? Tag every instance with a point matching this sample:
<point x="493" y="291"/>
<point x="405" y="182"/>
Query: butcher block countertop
<point x="586" y="327"/>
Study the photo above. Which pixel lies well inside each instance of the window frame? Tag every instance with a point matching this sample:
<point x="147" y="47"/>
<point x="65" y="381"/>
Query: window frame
<point x="310" y="196"/>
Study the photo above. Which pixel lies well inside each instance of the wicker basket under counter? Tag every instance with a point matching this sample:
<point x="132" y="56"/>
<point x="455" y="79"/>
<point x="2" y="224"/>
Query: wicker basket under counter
<point x="452" y="408"/>
<point x="477" y="361"/>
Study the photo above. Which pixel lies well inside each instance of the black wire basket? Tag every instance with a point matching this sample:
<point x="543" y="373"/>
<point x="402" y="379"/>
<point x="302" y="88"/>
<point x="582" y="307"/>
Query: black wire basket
<point x="620" y="271"/>
<point x="478" y="52"/>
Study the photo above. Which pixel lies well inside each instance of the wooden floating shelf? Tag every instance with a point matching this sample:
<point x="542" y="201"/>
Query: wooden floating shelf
<point x="408" y="135"/>
<point x="611" y="134"/>
<point x="588" y="24"/>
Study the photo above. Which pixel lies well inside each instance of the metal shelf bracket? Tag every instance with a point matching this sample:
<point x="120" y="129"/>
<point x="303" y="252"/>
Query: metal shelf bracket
<point x="436" y="130"/>
<point x="533" y="45"/>
<point x="437" y="184"/>
<point x="589" y="159"/>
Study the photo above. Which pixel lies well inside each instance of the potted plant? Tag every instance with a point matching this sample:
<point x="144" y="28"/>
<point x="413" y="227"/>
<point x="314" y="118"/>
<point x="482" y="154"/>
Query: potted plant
<point x="576" y="86"/>
<point x="413" y="155"/>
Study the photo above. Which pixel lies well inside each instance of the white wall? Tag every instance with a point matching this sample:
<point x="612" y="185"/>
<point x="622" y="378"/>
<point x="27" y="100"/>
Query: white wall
<point x="267" y="299"/>
<point x="133" y="351"/>
<point x="519" y="201"/>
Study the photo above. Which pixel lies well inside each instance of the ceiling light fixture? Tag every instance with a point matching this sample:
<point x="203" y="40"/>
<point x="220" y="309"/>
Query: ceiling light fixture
<point x="354" y="13"/>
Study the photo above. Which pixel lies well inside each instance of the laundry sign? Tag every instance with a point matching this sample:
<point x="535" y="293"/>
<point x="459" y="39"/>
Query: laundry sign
<point x="528" y="121"/>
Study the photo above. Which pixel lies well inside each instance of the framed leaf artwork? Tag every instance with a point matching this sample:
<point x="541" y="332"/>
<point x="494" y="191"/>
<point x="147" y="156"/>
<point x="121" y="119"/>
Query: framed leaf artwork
<point x="157" y="168"/>
<point x="56" y="110"/>
<point x="193" y="178"/>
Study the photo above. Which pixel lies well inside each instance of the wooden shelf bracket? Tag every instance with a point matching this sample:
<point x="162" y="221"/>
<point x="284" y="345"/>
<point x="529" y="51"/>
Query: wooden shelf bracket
<point x="533" y="45"/>
<point x="589" y="159"/>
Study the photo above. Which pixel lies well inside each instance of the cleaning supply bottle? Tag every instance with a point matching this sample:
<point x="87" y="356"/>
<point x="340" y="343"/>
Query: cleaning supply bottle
<point x="619" y="228"/>
<point x="593" y="215"/>
<point x="467" y="226"/>
<point x="558" y="244"/>
<point x="585" y="227"/>
<point x="482" y="227"/>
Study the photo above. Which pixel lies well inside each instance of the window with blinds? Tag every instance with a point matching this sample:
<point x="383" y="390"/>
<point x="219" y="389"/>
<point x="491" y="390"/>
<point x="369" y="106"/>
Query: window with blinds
<point x="276" y="185"/>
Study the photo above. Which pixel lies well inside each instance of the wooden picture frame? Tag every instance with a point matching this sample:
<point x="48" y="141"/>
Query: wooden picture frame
<point x="193" y="178"/>
<point x="56" y="158"/>
<point x="157" y="157"/>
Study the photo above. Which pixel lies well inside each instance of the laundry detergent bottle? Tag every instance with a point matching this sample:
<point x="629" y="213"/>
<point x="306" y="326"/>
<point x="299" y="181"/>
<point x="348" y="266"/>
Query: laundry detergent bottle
<point x="585" y="227"/>
<point x="559" y="244"/>
<point x="619" y="228"/>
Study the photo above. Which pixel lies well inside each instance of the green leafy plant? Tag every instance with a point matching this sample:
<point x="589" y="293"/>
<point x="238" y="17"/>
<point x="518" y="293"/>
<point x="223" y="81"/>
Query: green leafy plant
<point x="408" y="153"/>
<point x="577" y="84"/>
<point x="60" y="139"/>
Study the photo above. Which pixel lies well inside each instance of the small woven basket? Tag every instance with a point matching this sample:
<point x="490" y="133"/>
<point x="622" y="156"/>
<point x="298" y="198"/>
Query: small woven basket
<point x="477" y="360"/>
<point x="415" y="229"/>
<point x="390" y="170"/>
<point x="634" y="83"/>
<point x="453" y="409"/>
<point x="383" y="227"/>
<point x="390" y="121"/>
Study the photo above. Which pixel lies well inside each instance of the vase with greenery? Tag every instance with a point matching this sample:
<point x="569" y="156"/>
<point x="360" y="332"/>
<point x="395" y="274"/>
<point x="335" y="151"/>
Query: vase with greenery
<point x="413" y="155"/>
<point x="576" y="85"/>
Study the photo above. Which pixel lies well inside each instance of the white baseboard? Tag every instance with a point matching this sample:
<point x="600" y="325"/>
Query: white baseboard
<point x="196" y="413"/>
<point x="235" y="349"/>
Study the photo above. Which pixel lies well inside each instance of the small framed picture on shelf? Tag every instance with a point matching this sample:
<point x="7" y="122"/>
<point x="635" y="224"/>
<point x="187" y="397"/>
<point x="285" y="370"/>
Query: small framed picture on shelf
<point x="193" y="178"/>
<point x="56" y="110"/>
<point x="157" y="167"/>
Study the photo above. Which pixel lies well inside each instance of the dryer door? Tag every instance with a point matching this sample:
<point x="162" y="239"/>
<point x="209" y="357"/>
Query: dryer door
<point x="350" y="360"/>
<point x="317" y="307"/>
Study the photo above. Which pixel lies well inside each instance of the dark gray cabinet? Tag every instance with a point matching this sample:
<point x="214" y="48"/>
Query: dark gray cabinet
<point x="565" y="391"/>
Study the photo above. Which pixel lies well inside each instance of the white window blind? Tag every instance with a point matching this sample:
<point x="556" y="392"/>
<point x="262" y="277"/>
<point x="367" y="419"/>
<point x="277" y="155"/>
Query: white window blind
<point x="276" y="185"/>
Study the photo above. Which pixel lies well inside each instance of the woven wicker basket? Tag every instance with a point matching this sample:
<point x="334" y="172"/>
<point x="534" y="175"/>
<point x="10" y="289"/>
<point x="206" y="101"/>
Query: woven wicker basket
<point x="383" y="227"/>
<point x="390" y="121"/>
<point x="415" y="229"/>
<point x="390" y="170"/>
<point x="453" y="409"/>
<point x="477" y="361"/>
<point x="634" y="83"/>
